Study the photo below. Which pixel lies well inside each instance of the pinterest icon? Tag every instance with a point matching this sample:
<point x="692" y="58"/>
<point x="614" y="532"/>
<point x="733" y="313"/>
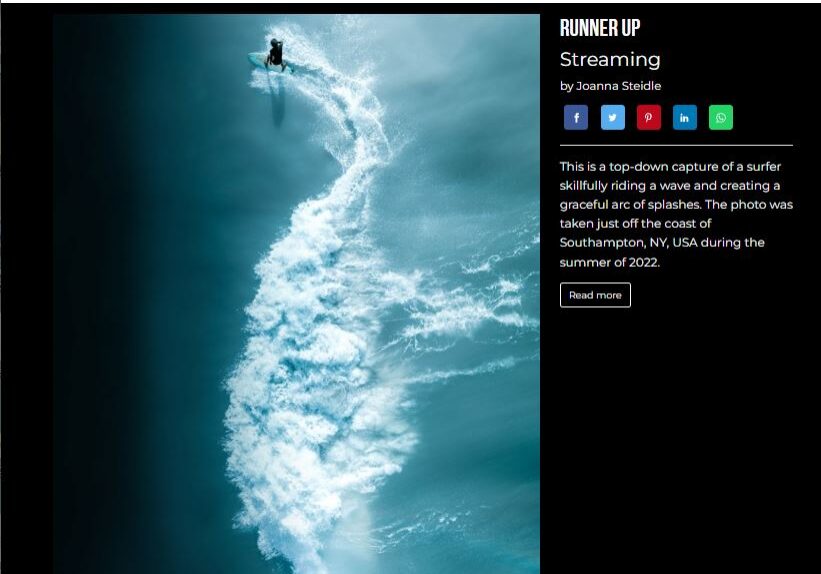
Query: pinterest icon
<point x="648" y="117"/>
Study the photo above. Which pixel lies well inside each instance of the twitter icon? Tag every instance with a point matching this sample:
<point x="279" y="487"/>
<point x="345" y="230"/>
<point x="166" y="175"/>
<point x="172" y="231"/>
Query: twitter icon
<point x="612" y="117"/>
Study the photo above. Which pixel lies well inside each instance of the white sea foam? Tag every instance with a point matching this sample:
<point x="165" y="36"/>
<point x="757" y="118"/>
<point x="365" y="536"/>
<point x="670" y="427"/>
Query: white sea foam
<point x="426" y="523"/>
<point x="317" y="411"/>
<point x="526" y="237"/>
<point x="485" y="368"/>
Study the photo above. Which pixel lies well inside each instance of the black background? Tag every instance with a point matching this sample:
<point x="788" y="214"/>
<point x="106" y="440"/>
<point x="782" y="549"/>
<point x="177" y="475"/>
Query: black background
<point x="709" y="56"/>
<point x="674" y="434"/>
<point x="683" y="423"/>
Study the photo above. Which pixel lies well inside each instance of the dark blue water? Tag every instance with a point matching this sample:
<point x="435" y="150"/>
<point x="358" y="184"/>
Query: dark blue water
<point x="338" y="293"/>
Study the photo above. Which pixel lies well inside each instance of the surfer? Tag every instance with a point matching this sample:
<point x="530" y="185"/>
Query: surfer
<point x="275" y="55"/>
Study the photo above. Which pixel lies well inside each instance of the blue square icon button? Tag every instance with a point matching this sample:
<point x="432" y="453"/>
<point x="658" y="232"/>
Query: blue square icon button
<point x="612" y="117"/>
<point x="685" y="117"/>
<point x="575" y="117"/>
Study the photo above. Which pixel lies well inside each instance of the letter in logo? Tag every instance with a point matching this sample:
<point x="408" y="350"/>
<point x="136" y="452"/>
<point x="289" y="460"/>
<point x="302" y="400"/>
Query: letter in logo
<point x="685" y="117"/>
<point x="575" y="117"/>
<point x="648" y="117"/>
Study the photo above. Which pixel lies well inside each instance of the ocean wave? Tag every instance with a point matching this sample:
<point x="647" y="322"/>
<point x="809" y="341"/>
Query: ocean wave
<point x="318" y="407"/>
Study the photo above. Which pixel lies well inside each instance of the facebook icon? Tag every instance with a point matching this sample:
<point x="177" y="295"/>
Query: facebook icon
<point x="575" y="117"/>
<point x="685" y="117"/>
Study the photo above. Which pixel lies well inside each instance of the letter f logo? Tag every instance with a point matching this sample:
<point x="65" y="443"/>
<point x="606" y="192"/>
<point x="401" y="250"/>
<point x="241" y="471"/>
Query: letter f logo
<point x="575" y="117"/>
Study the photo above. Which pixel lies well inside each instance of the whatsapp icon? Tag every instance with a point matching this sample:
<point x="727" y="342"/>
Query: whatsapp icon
<point x="721" y="117"/>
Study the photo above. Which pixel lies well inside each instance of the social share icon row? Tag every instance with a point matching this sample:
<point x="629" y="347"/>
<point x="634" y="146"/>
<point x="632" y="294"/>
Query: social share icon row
<point x="649" y="117"/>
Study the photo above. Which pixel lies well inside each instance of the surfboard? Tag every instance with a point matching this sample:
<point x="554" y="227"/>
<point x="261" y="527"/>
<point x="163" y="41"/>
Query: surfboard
<point x="258" y="60"/>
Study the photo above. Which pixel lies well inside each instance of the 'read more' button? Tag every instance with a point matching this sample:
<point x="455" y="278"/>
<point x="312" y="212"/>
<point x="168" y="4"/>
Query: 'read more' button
<point x="595" y="295"/>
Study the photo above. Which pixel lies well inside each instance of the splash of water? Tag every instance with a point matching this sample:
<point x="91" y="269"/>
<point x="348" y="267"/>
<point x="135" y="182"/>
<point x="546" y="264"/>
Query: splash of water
<point x="316" y="414"/>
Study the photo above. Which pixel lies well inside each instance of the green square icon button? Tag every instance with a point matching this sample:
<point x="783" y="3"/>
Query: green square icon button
<point x="721" y="117"/>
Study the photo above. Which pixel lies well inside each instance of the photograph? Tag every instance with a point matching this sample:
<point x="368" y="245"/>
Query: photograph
<point x="296" y="293"/>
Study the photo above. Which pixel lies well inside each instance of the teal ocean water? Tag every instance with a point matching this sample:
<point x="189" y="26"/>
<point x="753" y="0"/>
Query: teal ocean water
<point x="337" y="293"/>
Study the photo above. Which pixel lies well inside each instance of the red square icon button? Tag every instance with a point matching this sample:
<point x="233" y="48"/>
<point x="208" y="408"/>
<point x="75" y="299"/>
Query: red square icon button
<point x="648" y="117"/>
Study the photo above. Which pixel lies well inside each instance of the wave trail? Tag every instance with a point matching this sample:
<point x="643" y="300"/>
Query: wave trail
<point x="307" y="423"/>
<point x="317" y="411"/>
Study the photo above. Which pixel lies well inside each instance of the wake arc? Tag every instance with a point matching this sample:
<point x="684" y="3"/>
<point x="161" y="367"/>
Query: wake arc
<point x="300" y="395"/>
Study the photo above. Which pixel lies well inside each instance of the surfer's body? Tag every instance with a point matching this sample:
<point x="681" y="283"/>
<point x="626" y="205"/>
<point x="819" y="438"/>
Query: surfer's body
<point x="275" y="55"/>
